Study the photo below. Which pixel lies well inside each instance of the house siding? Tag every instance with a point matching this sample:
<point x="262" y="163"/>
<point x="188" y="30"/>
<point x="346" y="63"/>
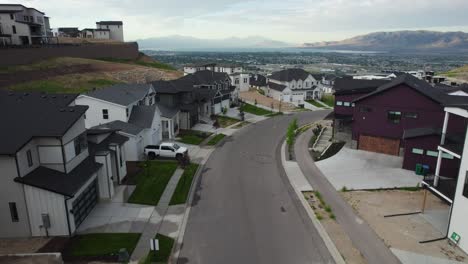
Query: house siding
<point x="346" y="110"/>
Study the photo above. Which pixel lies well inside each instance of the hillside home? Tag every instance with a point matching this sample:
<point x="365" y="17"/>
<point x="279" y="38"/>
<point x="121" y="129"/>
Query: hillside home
<point x="294" y="86"/>
<point x="69" y="32"/>
<point x="197" y="96"/>
<point x="93" y="33"/>
<point x="258" y="81"/>
<point x="239" y="79"/>
<point x="51" y="177"/>
<point x="115" y="29"/>
<point x="403" y="118"/>
<point x="20" y="25"/>
<point x="129" y="108"/>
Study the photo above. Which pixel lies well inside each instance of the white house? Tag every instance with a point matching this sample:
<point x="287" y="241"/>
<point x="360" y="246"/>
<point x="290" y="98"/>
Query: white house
<point x="293" y="86"/>
<point x="115" y="29"/>
<point x="52" y="177"/>
<point x="20" y="25"/>
<point x="128" y="108"/>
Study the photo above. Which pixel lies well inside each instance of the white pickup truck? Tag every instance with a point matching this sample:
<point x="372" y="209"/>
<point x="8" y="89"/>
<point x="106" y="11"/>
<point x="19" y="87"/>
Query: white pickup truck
<point x="166" y="150"/>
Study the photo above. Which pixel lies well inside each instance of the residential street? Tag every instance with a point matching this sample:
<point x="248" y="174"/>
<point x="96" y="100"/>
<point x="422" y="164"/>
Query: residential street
<point x="361" y="234"/>
<point x="245" y="210"/>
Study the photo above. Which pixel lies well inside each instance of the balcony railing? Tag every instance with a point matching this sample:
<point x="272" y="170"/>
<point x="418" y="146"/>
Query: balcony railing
<point x="445" y="186"/>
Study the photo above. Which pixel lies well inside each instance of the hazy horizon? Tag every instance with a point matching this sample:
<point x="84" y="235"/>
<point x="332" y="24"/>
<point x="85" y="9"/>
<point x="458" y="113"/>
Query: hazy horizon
<point x="295" y="21"/>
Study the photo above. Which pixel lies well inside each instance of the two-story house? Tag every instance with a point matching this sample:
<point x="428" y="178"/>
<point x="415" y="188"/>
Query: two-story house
<point x="197" y="96"/>
<point x="50" y="182"/>
<point x="129" y="108"/>
<point x="112" y="29"/>
<point x="294" y="86"/>
<point x="20" y="25"/>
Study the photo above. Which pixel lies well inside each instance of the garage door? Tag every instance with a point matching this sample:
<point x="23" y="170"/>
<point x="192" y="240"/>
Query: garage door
<point x="383" y="145"/>
<point x="84" y="203"/>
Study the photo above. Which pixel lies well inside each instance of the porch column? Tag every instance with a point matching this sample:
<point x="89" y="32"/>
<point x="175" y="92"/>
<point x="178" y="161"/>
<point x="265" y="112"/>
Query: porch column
<point x="437" y="171"/>
<point x="444" y="128"/>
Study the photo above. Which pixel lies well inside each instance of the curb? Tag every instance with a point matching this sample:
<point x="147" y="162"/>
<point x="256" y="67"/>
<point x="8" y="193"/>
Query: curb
<point x="320" y="229"/>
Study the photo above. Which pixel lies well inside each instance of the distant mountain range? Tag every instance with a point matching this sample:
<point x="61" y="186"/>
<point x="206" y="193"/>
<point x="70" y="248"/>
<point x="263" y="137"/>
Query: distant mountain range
<point x="400" y="41"/>
<point x="181" y="43"/>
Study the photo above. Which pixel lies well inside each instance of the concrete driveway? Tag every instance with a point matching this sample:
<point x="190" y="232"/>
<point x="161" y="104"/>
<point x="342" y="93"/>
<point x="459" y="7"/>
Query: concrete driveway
<point x="363" y="170"/>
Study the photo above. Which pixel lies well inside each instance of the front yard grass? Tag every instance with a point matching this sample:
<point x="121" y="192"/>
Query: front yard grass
<point x="213" y="141"/>
<point x="329" y="100"/>
<point x="152" y="181"/>
<point x="315" y="103"/>
<point x="192" y="137"/>
<point x="103" y="244"/>
<point x="225" y="121"/>
<point x="255" y="110"/>
<point x="183" y="186"/>
<point x="162" y="255"/>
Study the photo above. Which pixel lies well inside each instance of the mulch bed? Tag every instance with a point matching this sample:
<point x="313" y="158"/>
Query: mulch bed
<point x="64" y="245"/>
<point x="132" y="171"/>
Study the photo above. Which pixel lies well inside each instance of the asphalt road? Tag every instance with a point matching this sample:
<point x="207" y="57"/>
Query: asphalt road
<point x="245" y="210"/>
<point x="361" y="234"/>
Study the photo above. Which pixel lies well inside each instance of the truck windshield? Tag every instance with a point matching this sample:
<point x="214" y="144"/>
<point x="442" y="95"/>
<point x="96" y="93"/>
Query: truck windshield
<point x="176" y="147"/>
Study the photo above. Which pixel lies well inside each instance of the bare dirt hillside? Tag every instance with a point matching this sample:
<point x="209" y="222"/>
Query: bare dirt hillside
<point x="80" y="75"/>
<point x="458" y="74"/>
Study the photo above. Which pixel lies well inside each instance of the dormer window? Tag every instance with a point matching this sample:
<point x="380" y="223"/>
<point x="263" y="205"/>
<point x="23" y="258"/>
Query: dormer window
<point x="29" y="156"/>
<point x="81" y="143"/>
<point x="105" y="114"/>
<point x="126" y="112"/>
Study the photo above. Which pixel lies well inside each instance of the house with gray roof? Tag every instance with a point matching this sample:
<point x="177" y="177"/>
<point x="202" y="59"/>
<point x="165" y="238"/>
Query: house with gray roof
<point x="294" y="86"/>
<point x="53" y="170"/>
<point x="129" y="108"/>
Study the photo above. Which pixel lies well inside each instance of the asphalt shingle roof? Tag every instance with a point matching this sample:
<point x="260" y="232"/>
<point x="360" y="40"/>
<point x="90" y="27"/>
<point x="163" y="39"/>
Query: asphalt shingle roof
<point x="276" y="86"/>
<point x="127" y="128"/>
<point x="349" y="85"/>
<point x="289" y="75"/>
<point x="167" y="111"/>
<point x="142" y="115"/>
<point x="121" y="94"/>
<point x="258" y="80"/>
<point x="60" y="182"/>
<point x="28" y="115"/>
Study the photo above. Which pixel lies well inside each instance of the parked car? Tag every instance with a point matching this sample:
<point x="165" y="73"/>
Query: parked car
<point x="166" y="150"/>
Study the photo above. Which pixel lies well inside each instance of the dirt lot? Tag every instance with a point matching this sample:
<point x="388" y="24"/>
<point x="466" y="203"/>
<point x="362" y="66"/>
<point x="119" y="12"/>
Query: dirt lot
<point x="21" y="245"/>
<point x="337" y="234"/>
<point x="266" y="101"/>
<point x="403" y="232"/>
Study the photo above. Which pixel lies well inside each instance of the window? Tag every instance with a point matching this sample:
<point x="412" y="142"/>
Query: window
<point x="29" y="156"/>
<point x="105" y="113"/>
<point x="465" y="188"/>
<point x="236" y="81"/>
<point x="81" y="143"/>
<point x="245" y="80"/>
<point x="394" y="117"/>
<point x="365" y="109"/>
<point x="12" y="16"/>
<point x="417" y="151"/>
<point x="307" y="84"/>
<point x="120" y="157"/>
<point x="151" y="101"/>
<point x="126" y="112"/>
<point x="13" y="212"/>
<point x="447" y="156"/>
<point x="347" y="104"/>
<point x="166" y="148"/>
<point x="411" y="115"/>
<point x="14" y="29"/>
<point x="339" y="103"/>
<point x="432" y="153"/>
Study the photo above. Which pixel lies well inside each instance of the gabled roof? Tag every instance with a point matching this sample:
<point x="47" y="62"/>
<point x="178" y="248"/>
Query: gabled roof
<point x="121" y="94"/>
<point x="167" y="111"/>
<point x="258" y="80"/>
<point x="59" y="182"/>
<point x="289" y="75"/>
<point x="276" y="86"/>
<point x="348" y="85"/>
<point x="127" y="128"/>
<point x="142" y="115"/>
<point x="188" y="82"/>
<point x="28" y="115"/>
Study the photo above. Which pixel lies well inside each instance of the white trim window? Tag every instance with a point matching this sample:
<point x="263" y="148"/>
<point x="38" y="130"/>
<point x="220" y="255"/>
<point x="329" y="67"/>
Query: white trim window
<point x="339" y="103"/>
<point x="432" y="153"/>
<point x="348" y="104"/>
<point x="417" y="151"/>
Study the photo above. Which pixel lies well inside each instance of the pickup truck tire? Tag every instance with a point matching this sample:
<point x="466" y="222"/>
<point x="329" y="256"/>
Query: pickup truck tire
<point x="179" y="157"/>
<point x="151" y="155"/>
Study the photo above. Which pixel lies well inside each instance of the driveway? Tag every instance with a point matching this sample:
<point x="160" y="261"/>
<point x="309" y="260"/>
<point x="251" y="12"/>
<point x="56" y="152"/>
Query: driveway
<point x="363" y="170"/>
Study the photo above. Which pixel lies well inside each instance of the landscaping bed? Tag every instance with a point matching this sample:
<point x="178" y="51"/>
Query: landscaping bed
<point x="99" y="246"/>
<point x="330" y="152"/>
<point x="329" y="100"/>
<point x="162" y="255"/>
<point x="248" y="108"/>
<point x="225" y="121"/>
<point x="192" y="137"/>
<point x="183" y="186"/>
<point x="213" y="141"/>
<point x="151" y="182"/>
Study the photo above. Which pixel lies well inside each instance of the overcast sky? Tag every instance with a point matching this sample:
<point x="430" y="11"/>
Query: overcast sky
<point x="294" y="21"/>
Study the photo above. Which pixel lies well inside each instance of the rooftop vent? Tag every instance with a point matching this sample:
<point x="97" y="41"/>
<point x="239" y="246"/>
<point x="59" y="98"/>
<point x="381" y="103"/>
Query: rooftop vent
<point x="62" y="110"/>
<point x="71" y="110"/>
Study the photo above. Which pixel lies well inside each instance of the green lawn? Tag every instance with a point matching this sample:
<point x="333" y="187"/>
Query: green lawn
<point x="162" y="255"/>
<point x="60" y="85"/>
<point x="103" y="244"/>
<point x="192" y="137"/>
<point x="213" y="141"/>
<point x="255" y="110"/>
<point x="152" y="181"/>
<point x="183" y="186"/>
<point x="328" y="99"/>
<point x="225" y="121"/>
<point x="315" y="103"/>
